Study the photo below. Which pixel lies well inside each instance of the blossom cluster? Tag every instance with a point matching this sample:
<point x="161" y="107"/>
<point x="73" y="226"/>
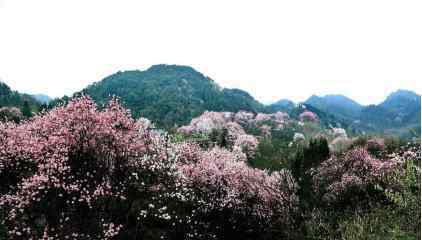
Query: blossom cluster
<point x="10" y="114"/>
<point x="234" y="123"/>
<point x="208" y="121"/>
<point x="308" y="116"/>
<point x="355" y="170"/>
<point x="236" y="136"/>
<point x="229" y="184"/>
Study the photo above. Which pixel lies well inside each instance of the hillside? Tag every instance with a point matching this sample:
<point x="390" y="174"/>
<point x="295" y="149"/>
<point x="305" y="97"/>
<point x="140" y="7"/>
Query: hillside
<point x="284" y="105"/>
<point x="170" y="94"/>
<point x="10" y="98"/>
<point x="338" y="105"/>
<point x="399" y="114"/>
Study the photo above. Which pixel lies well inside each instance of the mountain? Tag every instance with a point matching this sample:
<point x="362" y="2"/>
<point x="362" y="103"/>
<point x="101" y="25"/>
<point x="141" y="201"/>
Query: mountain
<point x="42" y="98"/>
<point x="399" y="114"/>
<point x="170" y="94"/>
<point x="10" y="98"/>
<point x="284" y="105"/>
<point x="405" y="105"/>
<point x="338" y="105"/>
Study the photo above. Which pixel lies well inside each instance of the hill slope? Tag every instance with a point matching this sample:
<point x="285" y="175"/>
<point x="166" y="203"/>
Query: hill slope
<point x="399" y="114"/>
<point x="170" y="94"/>
<point x="10" y="98"/>
<point x="338" y="105"/>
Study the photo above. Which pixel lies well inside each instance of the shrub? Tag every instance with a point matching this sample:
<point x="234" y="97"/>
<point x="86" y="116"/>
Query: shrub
<point x="10" y="114"/>
<point x="76" y="171"/>
<point x="236" y="201"/>
<point x="354" y="175"/>
<point x="308" y="116"/>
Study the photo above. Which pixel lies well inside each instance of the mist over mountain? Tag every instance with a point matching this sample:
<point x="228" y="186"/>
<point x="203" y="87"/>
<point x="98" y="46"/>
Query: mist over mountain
<point x="42" y="98"/>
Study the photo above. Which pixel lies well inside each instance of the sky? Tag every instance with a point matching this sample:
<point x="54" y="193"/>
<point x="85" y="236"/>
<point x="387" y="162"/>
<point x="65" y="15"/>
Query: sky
<point x="363" y="49"/>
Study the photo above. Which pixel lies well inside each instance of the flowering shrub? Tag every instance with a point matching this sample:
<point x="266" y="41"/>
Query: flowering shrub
<point x="245" y="201"/>
<point x="206" y="122"/>
<point x="68" y="173"/>
<point x="219" y="123"/>
<point x="243" y="117"/>
<point x="280" y="117"/>
<point x="308" y="116"/>
<point x="10" y="114"/>
<point x="356" y="172"/>
<point x="234" y="130"/>
<point x="262" y="117"/>
<point x="247" y="144"/>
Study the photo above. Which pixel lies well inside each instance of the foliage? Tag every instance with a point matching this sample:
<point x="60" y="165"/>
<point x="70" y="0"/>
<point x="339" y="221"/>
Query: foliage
<point x="308" y="157"/>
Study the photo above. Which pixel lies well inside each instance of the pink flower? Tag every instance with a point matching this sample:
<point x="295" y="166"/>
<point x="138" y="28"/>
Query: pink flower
<point x="308" y="116"/>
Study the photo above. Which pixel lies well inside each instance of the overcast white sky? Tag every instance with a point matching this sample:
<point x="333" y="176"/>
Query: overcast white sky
<point x="363" y="49"/>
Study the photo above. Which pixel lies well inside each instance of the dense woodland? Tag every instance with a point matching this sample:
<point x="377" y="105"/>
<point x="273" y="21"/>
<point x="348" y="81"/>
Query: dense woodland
<point x="175" y="156"/>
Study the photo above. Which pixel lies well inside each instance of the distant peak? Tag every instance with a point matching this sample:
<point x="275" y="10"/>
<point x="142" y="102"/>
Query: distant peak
<point x="403" y="92"/>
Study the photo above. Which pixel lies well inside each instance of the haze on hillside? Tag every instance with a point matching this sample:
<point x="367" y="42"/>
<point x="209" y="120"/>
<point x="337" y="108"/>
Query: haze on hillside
<point x="361" y="49"/>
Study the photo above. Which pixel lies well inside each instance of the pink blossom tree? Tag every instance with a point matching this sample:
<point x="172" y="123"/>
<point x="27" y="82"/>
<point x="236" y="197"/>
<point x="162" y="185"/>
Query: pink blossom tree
<point x="242" y="201"/>
<point x="308" y="116"/>
<point x="11" y="114"/>
<point x="75" y="171"/>
<point x="352" y="175"/>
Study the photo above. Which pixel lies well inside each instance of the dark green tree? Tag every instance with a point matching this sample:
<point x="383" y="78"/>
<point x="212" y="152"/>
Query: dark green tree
<point x="309" y="157"/>
<point x="26" y="110"/>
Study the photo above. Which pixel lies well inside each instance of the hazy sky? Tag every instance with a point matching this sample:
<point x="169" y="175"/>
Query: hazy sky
<point x="363" y="49"/>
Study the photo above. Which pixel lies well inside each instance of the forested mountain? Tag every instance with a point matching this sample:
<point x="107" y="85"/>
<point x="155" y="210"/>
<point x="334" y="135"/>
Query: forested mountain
<point x="170" y="94"/>
<point x="338" y="105"/>
<point x="399" y="114"/>
<point x="284" y="105"/>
